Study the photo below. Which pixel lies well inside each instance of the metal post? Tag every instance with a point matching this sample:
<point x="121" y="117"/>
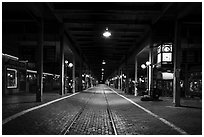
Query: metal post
<point x="65" y="79"/>
<point x="118" y="78"/>
<point x="80" y="76"/>
<point x="39" y="91"/>
<point x="127" y="78"/>
<point x="26" y="82"/>
<point x="136" y="81"/>
<point x="121" y="79"/>
<point x="177" y="61"/>
<point x="62" y="83"/>
<point x="186" y="81"/>
<point x="150" y="71"/>
<point x="4" y="75"/>
<point x="148" y="87"/>
<point x="73" y="75"/>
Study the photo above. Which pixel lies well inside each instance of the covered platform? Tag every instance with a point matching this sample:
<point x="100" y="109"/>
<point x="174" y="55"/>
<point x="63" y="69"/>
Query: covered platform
<point x="102" y="68"/>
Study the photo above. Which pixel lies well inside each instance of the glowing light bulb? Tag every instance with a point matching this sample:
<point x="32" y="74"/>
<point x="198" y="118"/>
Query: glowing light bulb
<point x="143" y="66"/>
<point x="70" y="65"/>
<point x="66" y="61"/>
<point x="148" y="63"/>
<point x="107" y="33"/>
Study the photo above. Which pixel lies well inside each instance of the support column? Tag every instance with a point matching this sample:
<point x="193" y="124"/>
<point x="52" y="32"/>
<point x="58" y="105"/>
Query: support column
<point x="4" y="75"/>
<point x="62" y="76"/>
<point x="86" y="79"/>
<point x="186" y="81"/>
<point x="127" y="79"/>
<point x="39" y="91"/>
<point x="136" y="81"/>
<point x="26" y="82"/>
<point x="73" y="75"/>
<point x="177" y="62"/>
<point x="80" y="77"/>
<point x="119" y="79"/>
<point x="150" y="70"/>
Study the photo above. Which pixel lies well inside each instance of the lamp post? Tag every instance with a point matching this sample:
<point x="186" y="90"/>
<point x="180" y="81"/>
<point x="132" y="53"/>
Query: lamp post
<point x="66" y="74"/>
<point x="67" y="65"/>
<point x="144" y="66"/>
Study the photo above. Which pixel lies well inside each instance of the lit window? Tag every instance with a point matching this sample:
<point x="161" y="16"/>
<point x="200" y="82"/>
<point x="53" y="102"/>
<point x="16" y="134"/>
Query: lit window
<point x="11" y="78"/>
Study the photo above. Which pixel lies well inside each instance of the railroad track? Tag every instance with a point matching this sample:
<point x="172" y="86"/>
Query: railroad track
<point x="110" y="115"/>
<point x="69" y="126"/>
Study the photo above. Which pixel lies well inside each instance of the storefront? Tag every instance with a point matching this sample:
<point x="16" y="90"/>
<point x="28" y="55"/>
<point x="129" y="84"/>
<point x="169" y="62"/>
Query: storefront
<point x="13" y="75"/>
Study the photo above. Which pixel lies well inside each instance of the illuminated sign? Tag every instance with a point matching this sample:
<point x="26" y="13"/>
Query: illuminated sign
<point x="164" y="53"/>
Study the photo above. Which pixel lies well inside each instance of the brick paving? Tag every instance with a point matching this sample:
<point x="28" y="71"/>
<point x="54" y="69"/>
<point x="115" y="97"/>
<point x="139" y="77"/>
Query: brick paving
<point x="13" y="104"/>
<point x="130" y="120"/>
<point x="188" y="117"/>
<point x="47" y="120"/>
<point x="94" y="119"/>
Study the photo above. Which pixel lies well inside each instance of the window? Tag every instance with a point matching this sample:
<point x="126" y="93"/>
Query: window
<point x="11" y="78"/>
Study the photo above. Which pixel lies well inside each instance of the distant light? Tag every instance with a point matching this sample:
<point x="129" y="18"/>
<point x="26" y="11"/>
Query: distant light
<point x="148" y="63"/>
<point x="102" y="69"/>
<point x="143" y="66"/>
<point x="66" y="62"/>
<point x="103" y="62"/>
<point x="70" y="65"/>
<point x="107" y="33"/>
<point x="10" y="56"/>
<point x="167" y="75"/>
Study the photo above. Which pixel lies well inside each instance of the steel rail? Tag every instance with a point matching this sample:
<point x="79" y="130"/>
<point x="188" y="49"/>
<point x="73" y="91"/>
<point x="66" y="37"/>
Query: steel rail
<point x="68" y="127"/>
<point x="110" y="115"/>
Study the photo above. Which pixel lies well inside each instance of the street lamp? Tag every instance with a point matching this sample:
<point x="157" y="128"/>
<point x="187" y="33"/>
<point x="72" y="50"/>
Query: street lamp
<point x="143" y="66"/>
<point x="70" y="65"/>
<point x="66" y="62"/>
<point x="148" y="63"/>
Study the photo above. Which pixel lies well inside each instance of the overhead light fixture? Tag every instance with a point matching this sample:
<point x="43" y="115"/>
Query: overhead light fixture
<point x="107" y="33"/>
